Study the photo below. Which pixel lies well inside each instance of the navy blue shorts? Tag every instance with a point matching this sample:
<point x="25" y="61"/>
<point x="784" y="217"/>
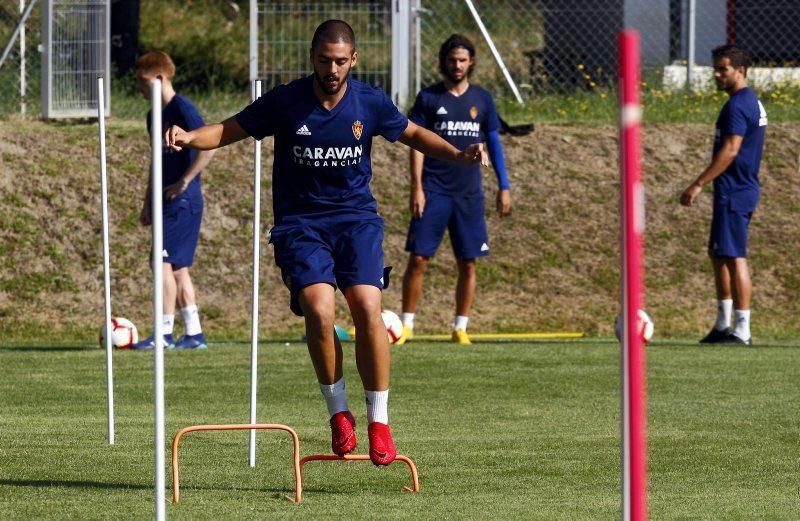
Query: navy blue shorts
<point x="729" y="228"/>
<point x="182" y="220"/>
<point x="341" y="251"/>
<point x="461" y="216"/>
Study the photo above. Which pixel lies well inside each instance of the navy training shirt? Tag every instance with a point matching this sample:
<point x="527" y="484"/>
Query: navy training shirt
<point x="743" y="115"/>
<point x="322" y="157"/>
<point x="462" y="121"/>
<point x="182" y="112"/>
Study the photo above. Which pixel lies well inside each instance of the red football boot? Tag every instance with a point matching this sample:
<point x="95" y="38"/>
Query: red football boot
<point x="381" y="445"/>
<point x="343" y="433"/>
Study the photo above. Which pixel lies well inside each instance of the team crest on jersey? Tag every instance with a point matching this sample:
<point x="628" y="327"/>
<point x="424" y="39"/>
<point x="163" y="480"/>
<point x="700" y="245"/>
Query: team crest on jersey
<point x="357" y="128"/>
<point x="473" y="112"/>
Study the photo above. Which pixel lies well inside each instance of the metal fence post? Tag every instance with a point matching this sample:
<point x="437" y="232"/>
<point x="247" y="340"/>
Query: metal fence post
<point x="690" y="57"/>
<point x="401" y="27"/>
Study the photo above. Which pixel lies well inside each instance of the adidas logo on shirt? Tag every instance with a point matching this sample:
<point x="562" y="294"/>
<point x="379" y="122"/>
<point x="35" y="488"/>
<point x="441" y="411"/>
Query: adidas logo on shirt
<point x="303" y="131"/>
<point x="484" y="247"/>
<point x="441" y="111"/>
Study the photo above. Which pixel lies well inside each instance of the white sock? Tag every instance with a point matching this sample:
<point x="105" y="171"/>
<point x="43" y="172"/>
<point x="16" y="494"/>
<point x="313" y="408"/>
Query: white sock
<point x="742" y="327"/>
<point x="460" y="322"/>
<point x="335" y="396"/>
<point x="191" y="320"/>
<point x="168" y="324"/>
<point x="724" y="310"/>
<point x="408" y="320"/>
<point x="377" y="406"/>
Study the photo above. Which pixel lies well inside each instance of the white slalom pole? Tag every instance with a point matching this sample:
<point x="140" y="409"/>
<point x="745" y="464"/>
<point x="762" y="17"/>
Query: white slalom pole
<point x="101" y="118"/>
<point x="156" y="137"/>
<point x="256" y="263"/>
<point x="495" y="53"/>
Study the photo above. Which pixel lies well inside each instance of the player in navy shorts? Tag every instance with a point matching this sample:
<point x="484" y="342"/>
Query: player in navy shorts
<point x="449" y="196"/>
<point x="738" y="143"/>
<point x="327" y="232"/>
<point x="183" y="204"/>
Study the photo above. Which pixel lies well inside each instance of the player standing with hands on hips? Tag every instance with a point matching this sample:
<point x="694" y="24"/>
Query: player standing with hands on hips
<point x="327" y="231"/>
<point x="738" y="143"/>
<point x="449" y="196"/>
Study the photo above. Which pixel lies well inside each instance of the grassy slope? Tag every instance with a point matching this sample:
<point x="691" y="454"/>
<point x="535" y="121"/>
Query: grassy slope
<point x="523" y="431"/>
<point x="554" y="263"/>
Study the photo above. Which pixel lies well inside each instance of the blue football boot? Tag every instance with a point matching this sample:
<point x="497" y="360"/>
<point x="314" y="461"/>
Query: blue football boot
<point x="148" y="344"/>
<point x="197" y="341"/>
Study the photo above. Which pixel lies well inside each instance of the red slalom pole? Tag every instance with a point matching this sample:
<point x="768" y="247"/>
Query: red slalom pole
<point x="634" y="399"/>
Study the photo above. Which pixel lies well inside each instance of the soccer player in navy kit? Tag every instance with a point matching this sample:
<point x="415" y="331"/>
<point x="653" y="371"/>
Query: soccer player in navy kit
<point x="738" y="143"/>
<point x="449" y="196"/>
<point x="183" y="204"/>
<point x="327" y="232"/>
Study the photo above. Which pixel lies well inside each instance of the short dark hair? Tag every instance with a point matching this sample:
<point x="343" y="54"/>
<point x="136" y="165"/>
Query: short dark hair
<point x="333" y="31"/>
<point x="455" y="41"/>
<point x="738" y="57"/>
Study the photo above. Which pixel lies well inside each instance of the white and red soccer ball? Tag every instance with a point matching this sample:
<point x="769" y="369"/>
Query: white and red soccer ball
<point x="123" y="334"/>
<point x="394" y="326"/>
<point x="645" y="326"/>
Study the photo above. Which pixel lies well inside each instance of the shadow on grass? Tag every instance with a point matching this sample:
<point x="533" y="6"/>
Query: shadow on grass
<point x="44" y="483"/>
<point x="46" y="348"/>
<point x="40" y="483"/>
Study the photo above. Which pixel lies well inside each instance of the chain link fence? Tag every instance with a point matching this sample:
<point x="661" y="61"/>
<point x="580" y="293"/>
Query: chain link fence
<point x="548" y="46"/>
<point x="285" y="29"/>
<point x="20" y="73"/>
<point x="558" y="46"/>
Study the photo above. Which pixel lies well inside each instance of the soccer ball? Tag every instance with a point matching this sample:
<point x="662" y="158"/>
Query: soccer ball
<point x="394" y="326"/>
<point x="645" y="326"/>
<point x="123" y="334"/>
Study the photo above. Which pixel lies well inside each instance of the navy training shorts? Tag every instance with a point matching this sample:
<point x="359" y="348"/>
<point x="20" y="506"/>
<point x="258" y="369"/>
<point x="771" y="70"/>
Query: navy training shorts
<point x="342" y="251"/>
<point x="181" y="224"/>
<point x="462" y="216"/>
<point x="729" y="227"/>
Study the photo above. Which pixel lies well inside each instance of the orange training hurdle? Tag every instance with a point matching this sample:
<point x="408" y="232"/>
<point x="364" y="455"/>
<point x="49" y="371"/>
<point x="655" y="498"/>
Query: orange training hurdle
<point x="298" y="476"/>
<point x="364" y="457"/>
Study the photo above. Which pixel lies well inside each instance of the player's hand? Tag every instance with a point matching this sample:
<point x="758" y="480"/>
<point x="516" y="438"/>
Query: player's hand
<point x="690" y="194"/>
<point x="503" y="202"/>
<point x="176" y="138"/>
<point x="474" y="154"/>
<point x="146" y="215"/>
<point x="417" y="203"/>
<point x="175" y="189"/>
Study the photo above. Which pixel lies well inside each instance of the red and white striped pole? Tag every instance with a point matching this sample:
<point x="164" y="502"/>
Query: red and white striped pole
<point x="634" y="400"/>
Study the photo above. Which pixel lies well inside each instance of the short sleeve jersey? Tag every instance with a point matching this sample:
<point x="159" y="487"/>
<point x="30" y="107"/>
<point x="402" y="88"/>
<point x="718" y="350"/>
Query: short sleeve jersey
<point x="743" y="115"/>
<point x="182" y="112"/>
<point x="462" y="121"/>
<point x="322" y="157"/>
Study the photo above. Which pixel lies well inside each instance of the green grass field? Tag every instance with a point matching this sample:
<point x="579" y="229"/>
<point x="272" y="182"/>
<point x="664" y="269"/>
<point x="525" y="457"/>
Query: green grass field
<point x="497" y="430"/>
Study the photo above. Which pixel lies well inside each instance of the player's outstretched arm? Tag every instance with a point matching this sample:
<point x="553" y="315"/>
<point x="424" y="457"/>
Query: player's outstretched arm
<point x="207" y="137"/>
<point x="430" y="144"/>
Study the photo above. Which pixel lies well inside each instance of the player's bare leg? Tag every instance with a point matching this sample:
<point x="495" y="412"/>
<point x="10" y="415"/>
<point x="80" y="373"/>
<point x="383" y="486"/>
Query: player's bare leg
<point x="318" y="303"/>
<point x="372" y="345"/>
<point x="465" y="294"/>
<point x="412" y="292"/>
<point x="373" y="359"/>
<point x="170" y="288"/>
<point x="722" y="278"/>
<point x="185" y="289"/>
<point x="742" y="292"/>
<point x="742" y="288"/>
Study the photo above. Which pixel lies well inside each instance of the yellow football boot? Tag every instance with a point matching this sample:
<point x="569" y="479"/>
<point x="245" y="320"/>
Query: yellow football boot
<point x="408" y="334"/>
<point x="460" y="337"/>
